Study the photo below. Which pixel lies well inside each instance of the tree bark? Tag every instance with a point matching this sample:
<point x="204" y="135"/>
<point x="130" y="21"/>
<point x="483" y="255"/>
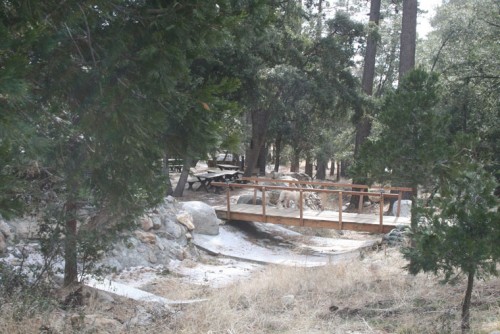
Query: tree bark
<point x="332" y="167"/>
<point x="309" y="167"/>
<point x="277" y="152"/>
<point x="321" y="169"/>
<point x="166" y="172"/>
<point x="465" y="325"/>
<point x="70" y="251"/>
<point x="261" y="162"/>
<point x="408" y="37"/>
<point x="295" y="163"/>
<point x="343" y="168"/>
<point x="259" y="120"/>
<point x="181" y="184"/>
<point x="364" y="125"/>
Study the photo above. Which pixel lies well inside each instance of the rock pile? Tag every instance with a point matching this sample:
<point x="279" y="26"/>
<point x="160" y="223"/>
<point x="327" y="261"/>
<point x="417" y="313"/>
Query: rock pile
<point x="397" y="236"/>
<point x="162" y="234"/>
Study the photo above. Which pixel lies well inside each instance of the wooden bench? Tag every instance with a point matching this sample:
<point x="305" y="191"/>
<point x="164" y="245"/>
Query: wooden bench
<point x="175" y="165"/>
<point x="175" y="168"/>
<point x="227" y="167"/>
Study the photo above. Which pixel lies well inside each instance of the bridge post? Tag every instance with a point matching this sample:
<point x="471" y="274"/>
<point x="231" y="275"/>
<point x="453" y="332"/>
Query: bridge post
<point x="381" y="211"/>
<point x="301" y="207"/>
<point x="264" y="203"/>
<point x="340" y="210"/>
<point x="228" y="204"/>
<point x="398" y="211"/>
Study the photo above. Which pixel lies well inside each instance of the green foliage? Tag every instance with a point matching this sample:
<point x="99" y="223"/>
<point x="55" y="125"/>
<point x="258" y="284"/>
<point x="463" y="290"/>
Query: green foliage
<point x="413" y="135"/>
<point x="103" y="88"/>
<point x="315" y="90"/>
<point x="464" y="50"/>
<point x="460" y="230"/>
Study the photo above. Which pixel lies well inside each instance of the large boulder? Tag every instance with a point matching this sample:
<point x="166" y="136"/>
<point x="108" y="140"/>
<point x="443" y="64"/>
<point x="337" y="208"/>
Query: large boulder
<point x="5" y="229"/>
<point x="405" y="208"/>
<point x="204" y="218"/>
<point x="3" y="244"/>
<point x="248" y="199"/>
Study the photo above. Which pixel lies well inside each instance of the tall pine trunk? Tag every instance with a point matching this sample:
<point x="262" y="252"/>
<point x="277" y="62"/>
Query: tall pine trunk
<point x="70" y="231"/>
<point x="408" y="37"/>
<point x="364" y="124"/>
<point x="70" y="252"/>
<point x="309" y="166"/>
<point x="295" y="163"/>
<point x="259" y="119"/>
<point x="321" y="168"/>
<point x="277" y="152"/>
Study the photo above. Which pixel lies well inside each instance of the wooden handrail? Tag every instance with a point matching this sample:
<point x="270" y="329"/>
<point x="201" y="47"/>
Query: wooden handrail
<point x="329" y="184"/>
<point x="340" y="193"/>
<point x="340" y="210"/>
<point x="315" y="190"/>
<point x="399" y="190"/>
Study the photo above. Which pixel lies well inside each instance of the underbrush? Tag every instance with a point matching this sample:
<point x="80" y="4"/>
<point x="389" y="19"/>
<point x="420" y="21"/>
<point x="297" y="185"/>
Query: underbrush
<point x="373" y="295"/>
<point x="22" y="302"/>
<point x="369" y="295"/>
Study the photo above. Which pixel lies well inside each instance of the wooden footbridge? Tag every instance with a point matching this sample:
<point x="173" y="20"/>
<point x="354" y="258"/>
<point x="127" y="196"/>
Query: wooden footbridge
<point x="298" y="216"/>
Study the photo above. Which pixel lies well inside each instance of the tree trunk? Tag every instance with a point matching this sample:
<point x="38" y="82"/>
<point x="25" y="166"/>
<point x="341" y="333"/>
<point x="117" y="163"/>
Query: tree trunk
<point x="295" y="163"/>
<point x="321" y="169"/>
<point x="343" y="168"/>
<point x="408" y="37"/>
<point x="260" y="120"/>
<point x="70" y="251"/>
<point x="364" y="124"/>
<point x="466" y="304"/>
<point x="277" y="152"/>
<point x="181" y="184"/>
<point x="261" y="162"/>
<point x="332" y="167"/>
<point x="166" y="172"/>
<point x="309" y="166"/>
<point x="338" y="170"/>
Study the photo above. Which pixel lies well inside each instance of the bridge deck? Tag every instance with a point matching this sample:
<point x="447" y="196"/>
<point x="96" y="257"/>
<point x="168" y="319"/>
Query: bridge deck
<point x="323" y="219"/>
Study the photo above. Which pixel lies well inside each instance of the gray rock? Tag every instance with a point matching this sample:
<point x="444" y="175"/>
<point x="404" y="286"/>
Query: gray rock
<point x="5" y="229"/>
<point x="173" y="229"/>
<point x="204" y="217"/>
<point x="157" y="223"/>
<point x="185" y="219"/>
<point x="3" y="244"/>
<point x="146" y="223"/>
<point x="96" y="323"/>
<point x="288" y="300"/>
<point x="405" y="208"/>
<point x="142" y="317"/>
<point x="24" y="229"/>
<point x="248" y="199"/>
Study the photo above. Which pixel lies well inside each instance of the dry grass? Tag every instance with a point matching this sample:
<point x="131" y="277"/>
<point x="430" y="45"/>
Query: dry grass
<point x="373" y="295"/>
<point x="369" y="295"/>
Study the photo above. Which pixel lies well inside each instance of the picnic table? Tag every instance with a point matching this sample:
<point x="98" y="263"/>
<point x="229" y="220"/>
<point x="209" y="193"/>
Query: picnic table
<point x="206" y="179"/>
<point x="175" y="165"/>
<point x="227" y="167"/>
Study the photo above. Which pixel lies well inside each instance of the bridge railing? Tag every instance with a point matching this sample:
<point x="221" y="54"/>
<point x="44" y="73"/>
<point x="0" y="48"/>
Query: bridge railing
<point x="321" y="187"/>
<point x="364" y="189"/>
